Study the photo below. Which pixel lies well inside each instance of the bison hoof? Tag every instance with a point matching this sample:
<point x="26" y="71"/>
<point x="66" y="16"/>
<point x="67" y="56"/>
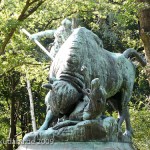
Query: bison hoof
<point x="128" y="133"/>
<point x="127" y="136"/>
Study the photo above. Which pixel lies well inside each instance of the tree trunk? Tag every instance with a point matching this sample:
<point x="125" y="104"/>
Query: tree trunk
<point x="23" y="124"/>
<point x="144" y="18"/>
<point x="12" y="125"/>
<point x="31" y="106"/>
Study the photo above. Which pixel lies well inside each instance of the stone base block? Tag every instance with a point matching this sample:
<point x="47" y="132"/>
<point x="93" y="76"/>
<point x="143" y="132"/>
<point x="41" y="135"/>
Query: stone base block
<point x="78" y="146"/>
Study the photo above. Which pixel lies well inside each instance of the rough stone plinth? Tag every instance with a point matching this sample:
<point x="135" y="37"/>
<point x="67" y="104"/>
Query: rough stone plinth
<point x="79" y="146"/>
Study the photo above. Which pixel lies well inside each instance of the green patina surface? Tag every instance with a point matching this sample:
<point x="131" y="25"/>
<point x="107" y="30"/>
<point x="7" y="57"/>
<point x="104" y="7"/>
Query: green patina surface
<point x="83" y="77"/>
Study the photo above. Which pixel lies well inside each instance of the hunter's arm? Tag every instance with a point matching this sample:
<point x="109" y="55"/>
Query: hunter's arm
<point x="46" y="33"/>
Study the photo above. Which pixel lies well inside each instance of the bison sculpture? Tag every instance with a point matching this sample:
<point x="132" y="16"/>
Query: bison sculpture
<point x="81" y="59"/>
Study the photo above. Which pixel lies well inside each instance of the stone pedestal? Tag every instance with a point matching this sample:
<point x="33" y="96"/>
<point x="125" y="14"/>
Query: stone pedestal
<point x="78" y="146"/>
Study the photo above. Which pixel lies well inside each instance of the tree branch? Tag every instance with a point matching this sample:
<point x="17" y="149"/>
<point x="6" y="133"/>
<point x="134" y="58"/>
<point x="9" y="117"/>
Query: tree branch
<point x="49" y="21"/>
<point x="33" y="1"/>
<point x="22" y="17"/>
<point x="32" y="10"/>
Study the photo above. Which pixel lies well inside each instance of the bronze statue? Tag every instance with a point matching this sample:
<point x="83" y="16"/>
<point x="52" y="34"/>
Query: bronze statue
<point x="83" y="77"/>
<point x="60" y="35"/>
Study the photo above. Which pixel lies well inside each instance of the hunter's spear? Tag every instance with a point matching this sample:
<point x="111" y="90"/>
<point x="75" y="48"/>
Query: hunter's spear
<point x="39" y="44"/>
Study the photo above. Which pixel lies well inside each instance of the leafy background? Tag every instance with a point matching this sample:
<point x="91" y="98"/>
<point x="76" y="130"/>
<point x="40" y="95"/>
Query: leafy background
<point x="114" y="21"/>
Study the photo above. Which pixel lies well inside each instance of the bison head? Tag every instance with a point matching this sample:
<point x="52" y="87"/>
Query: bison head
<point x="62" y="97"/>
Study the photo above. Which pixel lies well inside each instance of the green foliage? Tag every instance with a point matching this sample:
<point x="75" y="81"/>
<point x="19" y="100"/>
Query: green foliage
<point x="141" y="124"/>
<point x="140" y="110"/>
<point x="116" y="23"/>
<point x="4" y="125"/>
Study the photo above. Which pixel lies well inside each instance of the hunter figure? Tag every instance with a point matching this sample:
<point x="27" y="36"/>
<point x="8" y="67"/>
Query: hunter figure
<point x="61" y="34"/>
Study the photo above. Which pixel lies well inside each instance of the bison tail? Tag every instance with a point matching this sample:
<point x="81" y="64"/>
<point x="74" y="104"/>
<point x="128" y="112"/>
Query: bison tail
<point x="129" y="53"/>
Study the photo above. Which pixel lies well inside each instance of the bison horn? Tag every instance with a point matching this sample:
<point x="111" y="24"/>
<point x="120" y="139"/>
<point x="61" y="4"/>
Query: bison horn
<point x="51" y="80"/>
<point x="95" y="83"/>
<point x="48" y="86"/>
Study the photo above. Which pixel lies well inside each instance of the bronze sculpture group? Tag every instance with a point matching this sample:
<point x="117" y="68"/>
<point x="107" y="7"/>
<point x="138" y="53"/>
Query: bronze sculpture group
<point x="83" y="77"/>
